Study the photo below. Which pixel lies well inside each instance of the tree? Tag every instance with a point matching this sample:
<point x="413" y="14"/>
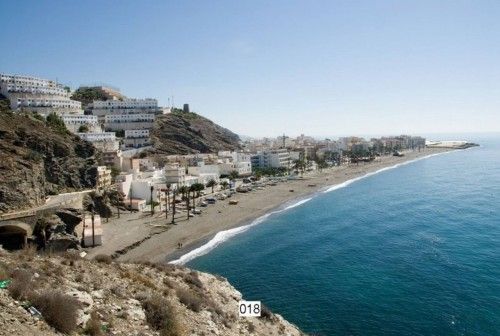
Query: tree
<point x="56" y="123"/>
<point x="211" y="184"/>
<point x="116" y="198"/>
<point x="195" y="190"/>
<point x="83" y="129"/>
<point x="233" y="175"/>
<point x="224" y="185"/>
<point x="183" y="191"/>
<point x="167" y="200"/>
<point x="321" y="164"/>
<point x="300" y="165"/>
<point x="173" y="205"/>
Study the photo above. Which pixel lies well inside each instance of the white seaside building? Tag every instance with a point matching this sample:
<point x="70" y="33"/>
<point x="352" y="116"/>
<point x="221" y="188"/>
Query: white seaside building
<point x="73" y="122"/>
<point x="136" y="138"/>
<point x="275" y="158"/>
<point x="124" y="106"/>
<point x="94" y="137"/>
<point x="38" y="95"/>
<point x="114" y="122"/>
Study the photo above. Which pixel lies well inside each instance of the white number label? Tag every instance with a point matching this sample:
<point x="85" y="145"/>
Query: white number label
<point x="249" y="308"/>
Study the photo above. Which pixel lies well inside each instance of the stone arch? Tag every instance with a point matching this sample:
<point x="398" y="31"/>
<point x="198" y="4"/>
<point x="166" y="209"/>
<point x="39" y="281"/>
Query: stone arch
<point x="14" y="234"/>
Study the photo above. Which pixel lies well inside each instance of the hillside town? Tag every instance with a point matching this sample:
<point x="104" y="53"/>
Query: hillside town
<point x="119" y="127"/>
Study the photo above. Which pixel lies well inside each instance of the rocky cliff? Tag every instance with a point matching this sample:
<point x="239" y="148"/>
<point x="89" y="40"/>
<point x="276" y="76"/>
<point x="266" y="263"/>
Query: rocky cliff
<point x="38" y="159"/>
<point x="187" y="132"/>
<point x="69" y="295"/>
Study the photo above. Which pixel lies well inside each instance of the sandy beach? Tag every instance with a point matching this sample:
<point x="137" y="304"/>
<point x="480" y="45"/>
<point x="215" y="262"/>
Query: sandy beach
<point x="142" y="237"/>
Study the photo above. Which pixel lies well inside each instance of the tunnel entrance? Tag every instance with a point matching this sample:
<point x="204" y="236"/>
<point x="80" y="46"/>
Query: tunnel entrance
<point x="14" y="236"/>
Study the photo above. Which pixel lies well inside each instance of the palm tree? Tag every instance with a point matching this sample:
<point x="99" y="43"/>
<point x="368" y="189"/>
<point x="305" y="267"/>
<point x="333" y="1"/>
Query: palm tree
<point x="173" y="205"/>
<point x="183" y="190"/>
<point x="167" y="200"/>
<point x="212" y="183"/>
<point x="195" y="189"/>
<point x="224" y="185"/>
<point x="299" y="165"/>
<point x="233" y="175"/>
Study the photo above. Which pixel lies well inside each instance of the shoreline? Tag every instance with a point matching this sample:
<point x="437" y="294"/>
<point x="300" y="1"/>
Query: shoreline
<point x="222" y="221"/>
<point x="202" y="247"/>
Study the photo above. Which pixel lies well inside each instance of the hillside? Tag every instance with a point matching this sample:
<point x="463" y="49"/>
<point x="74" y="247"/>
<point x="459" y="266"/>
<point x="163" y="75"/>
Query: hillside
<point x="39" y="158"/>
<point x="187" y="133"/>
<point x="87" y="95"/>
<point x="78" y="296"/>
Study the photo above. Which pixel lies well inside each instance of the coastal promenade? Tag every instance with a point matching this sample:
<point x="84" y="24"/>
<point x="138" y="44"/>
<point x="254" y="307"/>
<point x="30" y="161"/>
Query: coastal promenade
<point x="161" y="245"/>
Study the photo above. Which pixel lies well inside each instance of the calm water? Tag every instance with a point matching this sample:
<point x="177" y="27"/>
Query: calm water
<point x="409" y="251"/>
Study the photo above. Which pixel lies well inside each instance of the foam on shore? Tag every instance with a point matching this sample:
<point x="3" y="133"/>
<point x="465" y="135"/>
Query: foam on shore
<point x="346" y="183"/>
<point x="225" y="235"/>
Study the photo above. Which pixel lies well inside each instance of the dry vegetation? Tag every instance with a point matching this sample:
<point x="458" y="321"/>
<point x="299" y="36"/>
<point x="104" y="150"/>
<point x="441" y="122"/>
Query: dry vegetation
<point x="103" y="297"/>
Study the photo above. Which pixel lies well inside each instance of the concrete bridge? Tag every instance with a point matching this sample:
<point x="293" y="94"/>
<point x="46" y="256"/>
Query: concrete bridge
<point x="16" y="227"/>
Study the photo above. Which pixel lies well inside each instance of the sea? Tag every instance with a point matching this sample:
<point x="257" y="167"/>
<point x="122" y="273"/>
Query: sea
<point x="411" y="250"/>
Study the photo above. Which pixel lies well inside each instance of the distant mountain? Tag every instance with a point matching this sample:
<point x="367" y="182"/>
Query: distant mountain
<point x="39" y="158"/>
<point x="187" y="133"/>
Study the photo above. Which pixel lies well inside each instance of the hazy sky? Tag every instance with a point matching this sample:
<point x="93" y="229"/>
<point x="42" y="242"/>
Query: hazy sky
<point x="269" y="67"/>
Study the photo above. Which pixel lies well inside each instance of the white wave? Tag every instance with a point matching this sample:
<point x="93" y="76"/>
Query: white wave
<point x="223" y="236"/>
<point x="346" y="183"/>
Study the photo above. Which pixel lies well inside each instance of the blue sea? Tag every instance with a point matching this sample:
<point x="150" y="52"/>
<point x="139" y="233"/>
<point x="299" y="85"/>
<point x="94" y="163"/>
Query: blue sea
<point x="413" y="250"/>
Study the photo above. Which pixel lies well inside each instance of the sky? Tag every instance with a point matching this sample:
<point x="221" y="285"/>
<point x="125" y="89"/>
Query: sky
<point x="264" y="68"/>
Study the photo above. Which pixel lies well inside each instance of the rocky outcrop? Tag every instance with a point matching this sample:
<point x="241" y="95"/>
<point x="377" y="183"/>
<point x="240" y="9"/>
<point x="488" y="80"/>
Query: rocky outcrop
<point x="187" y="132"/>
<point x="37" y="160"/>
<point x="124" y="299"/>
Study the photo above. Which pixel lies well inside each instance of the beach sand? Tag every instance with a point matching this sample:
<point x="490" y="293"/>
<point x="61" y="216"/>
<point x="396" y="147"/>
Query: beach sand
<point x="160" y="241"/>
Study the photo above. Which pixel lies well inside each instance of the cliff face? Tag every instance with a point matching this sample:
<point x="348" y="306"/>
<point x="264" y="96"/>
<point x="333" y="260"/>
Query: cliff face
<point x="37" y="160"/>
<point x="188" y="133"/>
<point x="122" y="299"/>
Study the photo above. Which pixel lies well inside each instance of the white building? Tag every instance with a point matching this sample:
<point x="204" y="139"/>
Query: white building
<point x="38" y="95"/>
<point x="275" y="158"/>
<point x="136" y="138"/>
<point x="73" y="122"/>
<point x="116" y="122"/>
<point x="95" y="137"/>
<point x="103" y="177"/>
<point x="175" y="174"/>
<point x="124" y="106"/>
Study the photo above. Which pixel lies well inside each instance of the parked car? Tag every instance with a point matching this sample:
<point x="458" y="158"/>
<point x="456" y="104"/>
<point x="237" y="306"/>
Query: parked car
<point x="203" y="204"/>
<point x="211" y="200"/>
<point x="197" y="211"/>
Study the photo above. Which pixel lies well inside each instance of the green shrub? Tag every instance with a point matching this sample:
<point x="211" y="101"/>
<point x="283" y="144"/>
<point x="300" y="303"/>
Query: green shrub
<point x="56" y="123"/>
